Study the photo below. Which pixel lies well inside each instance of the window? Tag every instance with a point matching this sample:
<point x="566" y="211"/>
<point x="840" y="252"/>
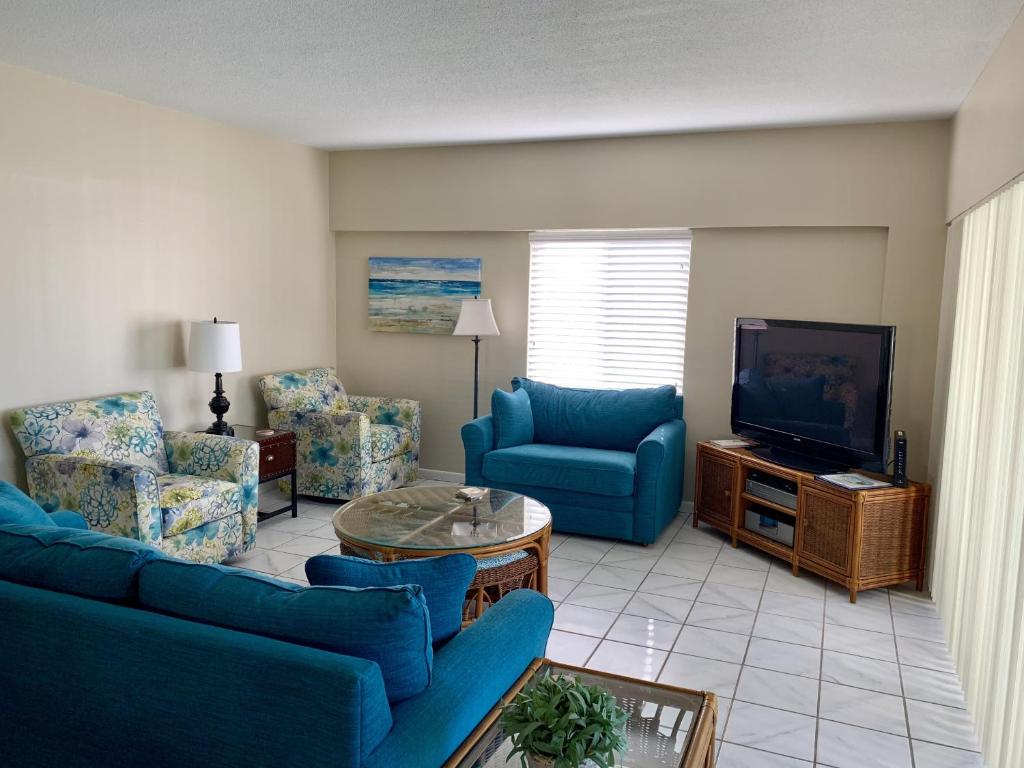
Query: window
<point x="608" y="308"/>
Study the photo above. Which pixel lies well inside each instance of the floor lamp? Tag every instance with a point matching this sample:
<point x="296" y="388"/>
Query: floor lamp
<point x="476" y="319"/>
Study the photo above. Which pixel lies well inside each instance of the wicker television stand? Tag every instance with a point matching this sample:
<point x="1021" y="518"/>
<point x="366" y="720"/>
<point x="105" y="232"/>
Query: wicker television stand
<point x="859" y="539"/>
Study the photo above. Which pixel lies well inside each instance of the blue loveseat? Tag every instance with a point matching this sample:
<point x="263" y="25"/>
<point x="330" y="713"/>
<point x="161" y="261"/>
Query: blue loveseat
<point x="607" y="463"/>
<point x="91" y="676"/>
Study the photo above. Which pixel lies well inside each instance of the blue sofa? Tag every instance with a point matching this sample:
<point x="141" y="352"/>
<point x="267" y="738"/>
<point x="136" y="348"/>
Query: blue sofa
<point x="104" y="681"/>
<point x="607" y="463"/>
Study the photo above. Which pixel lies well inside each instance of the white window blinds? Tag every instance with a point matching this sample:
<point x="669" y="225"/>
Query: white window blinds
<point x="608" y="308"/>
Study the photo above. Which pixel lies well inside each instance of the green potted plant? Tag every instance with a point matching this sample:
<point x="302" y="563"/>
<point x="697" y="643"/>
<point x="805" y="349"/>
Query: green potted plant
<point x="562" y="723"/>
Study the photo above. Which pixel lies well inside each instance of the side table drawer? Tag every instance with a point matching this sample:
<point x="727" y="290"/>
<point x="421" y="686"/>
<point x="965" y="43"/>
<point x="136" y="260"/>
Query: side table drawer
<point x="276" y="459"/>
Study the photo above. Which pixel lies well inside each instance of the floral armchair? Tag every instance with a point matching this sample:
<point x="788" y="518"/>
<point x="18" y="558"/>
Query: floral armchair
<point x="192" y="495"/>
<point x="347" y="445"/>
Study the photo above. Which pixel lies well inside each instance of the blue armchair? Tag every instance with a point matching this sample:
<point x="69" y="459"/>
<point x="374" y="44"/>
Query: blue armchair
<point x="607" y="463"/>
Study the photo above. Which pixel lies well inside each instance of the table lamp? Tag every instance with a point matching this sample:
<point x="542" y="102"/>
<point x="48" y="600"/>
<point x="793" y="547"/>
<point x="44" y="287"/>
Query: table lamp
<point x="476" y="319"/>
<point x="215" y="347"/>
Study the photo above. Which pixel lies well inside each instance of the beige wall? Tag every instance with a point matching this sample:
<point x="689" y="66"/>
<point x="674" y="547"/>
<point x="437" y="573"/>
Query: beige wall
<point x="436" y="370"/>
<point x="988" y="130"/>
<point x="120" y="221"/>
<point x="882" y="178"/>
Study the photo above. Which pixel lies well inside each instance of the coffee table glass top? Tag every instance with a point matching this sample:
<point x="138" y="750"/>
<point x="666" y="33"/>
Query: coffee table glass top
<point x="431" y="517"/>
<point x="659" y="731"/>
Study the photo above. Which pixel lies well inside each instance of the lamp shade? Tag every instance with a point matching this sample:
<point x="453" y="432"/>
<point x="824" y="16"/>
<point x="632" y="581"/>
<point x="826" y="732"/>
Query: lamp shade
<point x="214" y="347"/>
<point x="476" y="319"/>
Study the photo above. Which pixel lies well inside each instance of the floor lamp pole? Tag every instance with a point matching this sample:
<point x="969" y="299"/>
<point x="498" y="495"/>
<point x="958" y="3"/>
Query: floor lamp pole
<point x="476" y="375"/>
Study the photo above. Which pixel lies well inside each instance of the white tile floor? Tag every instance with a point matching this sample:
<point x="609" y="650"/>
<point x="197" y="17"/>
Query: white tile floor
<point x="804" y="677"/>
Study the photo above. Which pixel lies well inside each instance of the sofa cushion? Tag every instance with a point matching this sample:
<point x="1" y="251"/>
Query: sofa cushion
<point x="613" y="419"/>
<point x="388" y="441"/>
<point x="444" y="580"/>
<point x="386" y="625"/>
<point x="86" y="563"/>
<point x="513" y="418"/>
<point x="68" y="519"/>
<point x="17" y="507"/>
<point x="188" y="501"/>
<point x="586" y="470"/>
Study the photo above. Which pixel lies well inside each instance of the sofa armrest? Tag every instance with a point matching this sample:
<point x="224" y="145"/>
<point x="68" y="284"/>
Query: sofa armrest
<point x="220" y="457"/>
<point x="65" y="518"/>
<point x="659" y="479"/>
<point x="477" y="440"/>
<point x="471" y="674"/>
<point x="114" y="497"/>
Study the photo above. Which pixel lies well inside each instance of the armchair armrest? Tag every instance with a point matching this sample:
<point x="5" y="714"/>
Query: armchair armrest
<point x="659" y="479"/>
<point x="477" y="439"/>
<point x="392" y="411"/>
<point x="114" y="497"/>
<point x="220" y="457"/>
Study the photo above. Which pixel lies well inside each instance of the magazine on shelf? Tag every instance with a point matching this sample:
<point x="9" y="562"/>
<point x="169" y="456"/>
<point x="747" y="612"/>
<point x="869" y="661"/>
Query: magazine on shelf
<point x="732" y="442"/>
<point x="854" y="481"/>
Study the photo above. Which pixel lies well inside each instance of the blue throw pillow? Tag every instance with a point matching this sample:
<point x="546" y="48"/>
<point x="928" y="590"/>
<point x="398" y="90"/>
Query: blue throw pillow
<point x="513" y="418"/>
<point x="389" y="625"/>
<point x="87" y="563"/>
<point x="17" y="507"/>
<point x="612" y="419"/>
<point x="444" y="581"/>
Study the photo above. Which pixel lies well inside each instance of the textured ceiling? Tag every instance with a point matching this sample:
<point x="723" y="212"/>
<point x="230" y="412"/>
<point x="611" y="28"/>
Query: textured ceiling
<point x="407" y="72"/>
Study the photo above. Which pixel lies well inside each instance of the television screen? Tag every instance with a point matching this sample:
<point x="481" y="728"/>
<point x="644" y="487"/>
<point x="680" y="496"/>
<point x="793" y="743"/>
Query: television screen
<point x="820" y="389"/>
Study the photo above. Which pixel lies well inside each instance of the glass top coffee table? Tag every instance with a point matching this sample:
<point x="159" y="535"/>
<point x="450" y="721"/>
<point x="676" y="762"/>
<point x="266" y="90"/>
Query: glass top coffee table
<point x="668" y="727"/>
<point x="507" y="532"/>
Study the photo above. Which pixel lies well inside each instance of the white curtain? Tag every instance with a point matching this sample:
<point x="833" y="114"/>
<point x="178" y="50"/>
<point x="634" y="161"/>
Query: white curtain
<point x="978" y="573"/>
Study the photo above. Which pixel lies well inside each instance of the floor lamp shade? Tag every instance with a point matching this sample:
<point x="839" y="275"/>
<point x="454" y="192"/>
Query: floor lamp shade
<point x="476" y="319"/>
<point x="215" y="347"/>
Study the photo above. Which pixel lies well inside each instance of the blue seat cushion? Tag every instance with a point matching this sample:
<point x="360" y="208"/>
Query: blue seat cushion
<point x="86" y="563"/>
<point x="386" y="625"/>
<point x="586" y="470"/>
<point x="613" y="419"/>
<point x="513" y="418"/>
<point x="17" y="507"/>
<point x="444" y="581"/>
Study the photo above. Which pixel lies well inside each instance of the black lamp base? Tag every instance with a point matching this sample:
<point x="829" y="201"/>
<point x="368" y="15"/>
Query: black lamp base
<point x="219" y="406"/>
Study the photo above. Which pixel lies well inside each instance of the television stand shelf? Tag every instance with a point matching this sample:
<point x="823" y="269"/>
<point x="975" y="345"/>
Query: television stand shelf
<point x="859" y="539"/>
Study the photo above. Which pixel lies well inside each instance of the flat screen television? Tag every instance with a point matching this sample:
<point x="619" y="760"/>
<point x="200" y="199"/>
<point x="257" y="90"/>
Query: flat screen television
<point x="815" y="396"/>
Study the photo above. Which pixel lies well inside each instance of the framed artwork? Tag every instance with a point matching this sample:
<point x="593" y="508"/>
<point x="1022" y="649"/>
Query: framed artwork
<point x="414" y="295"/>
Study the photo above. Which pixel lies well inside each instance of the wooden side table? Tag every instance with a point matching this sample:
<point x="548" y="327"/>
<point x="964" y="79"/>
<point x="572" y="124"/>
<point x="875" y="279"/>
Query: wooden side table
<point x="277" y="460"/>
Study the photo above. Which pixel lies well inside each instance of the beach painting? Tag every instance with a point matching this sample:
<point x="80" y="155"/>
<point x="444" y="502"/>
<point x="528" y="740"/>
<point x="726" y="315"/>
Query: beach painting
<point x="420" y="295"/>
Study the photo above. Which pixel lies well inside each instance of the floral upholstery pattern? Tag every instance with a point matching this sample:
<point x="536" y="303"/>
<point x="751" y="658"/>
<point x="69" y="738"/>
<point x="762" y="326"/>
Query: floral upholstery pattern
<point x="123" y="427"/>
<point x="315" y="389"/>
<point x="387" y="441"/>
<point x="186" y="502"/>
<point x="192" y="495"/>
<point x="837" y="370"/>
<point x="352" y="445"/>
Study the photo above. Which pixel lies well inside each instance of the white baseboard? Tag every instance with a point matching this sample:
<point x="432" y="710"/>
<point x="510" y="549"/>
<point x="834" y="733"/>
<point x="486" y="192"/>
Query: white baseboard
<point x="686" y="508"/>
<point x="442" y="476"/>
